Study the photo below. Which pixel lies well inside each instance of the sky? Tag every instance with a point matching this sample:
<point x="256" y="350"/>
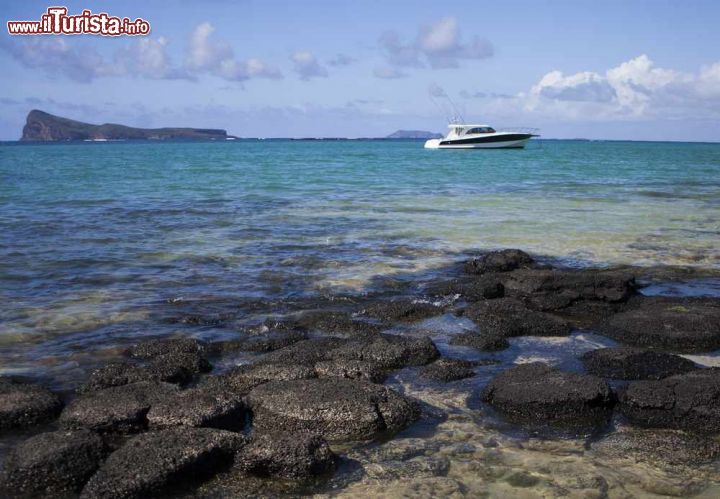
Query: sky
<point x="631" y="69"/>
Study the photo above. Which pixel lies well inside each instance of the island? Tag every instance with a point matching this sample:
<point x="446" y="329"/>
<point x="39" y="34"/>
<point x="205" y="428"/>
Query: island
<point x="414" y="134"/>
<point x="45" y="127"/>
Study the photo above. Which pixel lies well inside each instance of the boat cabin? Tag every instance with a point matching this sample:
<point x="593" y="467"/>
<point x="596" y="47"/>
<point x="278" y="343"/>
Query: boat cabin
<point x="457" y="131"/>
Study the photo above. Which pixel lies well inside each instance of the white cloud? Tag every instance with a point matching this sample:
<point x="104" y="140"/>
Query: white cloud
<point x="218" y="58"/>
<point x="634" y="89"/>
<point x="307" y="66"/>
<point x="147" y="57"/>
<point x="439" y="45"/>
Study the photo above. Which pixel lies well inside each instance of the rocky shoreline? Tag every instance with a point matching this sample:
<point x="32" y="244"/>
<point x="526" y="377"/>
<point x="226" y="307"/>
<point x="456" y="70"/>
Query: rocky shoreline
<point x="161" y="421"/>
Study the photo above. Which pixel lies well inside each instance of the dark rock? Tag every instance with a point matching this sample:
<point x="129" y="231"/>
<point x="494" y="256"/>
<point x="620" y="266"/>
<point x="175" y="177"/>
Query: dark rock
<point x="195" y="363"/>
<point x="117" y="409"/>
<point x="199" y="407"/>
<point x="25" y="404"/>
<point x="506" y="317"/>
<point x="635" y="363"/>
<point x="485" y="342"/>
<point x="499" y="261"/>
<point x="123" y="373"/>
<point x="445" y="369"/>
<point x="483" y="287"/>
<point x="537" y="392"/>
<point x="688" y="401"/>
<point x="52" y="463"/>
<point x="336" y="408"/>
<point x="389" y="351"/>
<point x="161" y="462"/>
<point x="552" y="289"/>
<point x="154" y="348"/>
<point x="293" y="455"/>
<point x="351" y="369"/>
<point x="307" y="352"/>
<point x="402" y="310"/>
<point x="264" y="343"/>
<point x="660" y="446"/>
<point x="672" y="325"/>
<point x="337" y="324"/>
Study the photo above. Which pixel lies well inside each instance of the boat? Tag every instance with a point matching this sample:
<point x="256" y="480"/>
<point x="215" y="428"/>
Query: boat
<point x="463" y="136"/>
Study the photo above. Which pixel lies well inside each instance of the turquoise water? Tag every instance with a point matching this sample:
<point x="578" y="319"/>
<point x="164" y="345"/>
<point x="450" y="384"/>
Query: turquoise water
<point x="98" y="239"/>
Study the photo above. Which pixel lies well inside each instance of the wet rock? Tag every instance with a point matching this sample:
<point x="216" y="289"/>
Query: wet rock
<point x="484" y="287"/>
<point x="26" y="404"/>
<point x="351" y="369"/>
<point x="506" y="317"/>
<point x="411" y="469"/>
<point x="485" y="342"/>
<point x="154" y="348"/>
<point x="499" y="261"/>
<point x="537" y="392"/>
<point x="552" y="289"/>
<point x="672" y="325"/>
<point x="161" y="462"/>
<point x="52" y="463"/>
<point x="445" y="369"/>
<point x="336" y="408"/>
<point x="337" y="324"/>
<point x="389" y="351"/>
<point x="199" y="407"/>
<point x="688" y="401"/>
<point x="264" y="343"/>
<point x="117" y="409"/>
<point x="305" y="352"/>
<point x="634" y="363"/>
<point x="402" y="310"/>
<point x="660" y="446"/>
<point x="290" y="455"/>
<point x="123" y="373"/>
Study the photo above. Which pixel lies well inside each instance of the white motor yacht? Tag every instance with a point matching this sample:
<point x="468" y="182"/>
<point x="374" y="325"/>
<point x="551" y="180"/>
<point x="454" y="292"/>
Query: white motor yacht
<point x="481" y="137"/>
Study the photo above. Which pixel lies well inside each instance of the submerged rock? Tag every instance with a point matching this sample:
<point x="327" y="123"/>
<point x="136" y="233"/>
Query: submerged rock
<point x="506" y="317"/>
<point x="445" y="369"/>
<point x="288" y="455"/>
<point x="483" y="287"/>
<point x="336" y="408"/>
<point x="25" y="404"/>
<point x="634" y="363"/>
<point x="199" y="407"/>
<point x="660" y="446"/>
<point x="537" y="392"/>
<point x="484" y="342"/>
<point x="154" y="348"/>
<point x="51" y="464"/>
<point x="402" y="310"/>
<point x="499" y="261"/>
<point x="672" y="325"/>
<point x="117" y="409"/>
<point x="161" y="462"/>
<point x="688" y="401"/>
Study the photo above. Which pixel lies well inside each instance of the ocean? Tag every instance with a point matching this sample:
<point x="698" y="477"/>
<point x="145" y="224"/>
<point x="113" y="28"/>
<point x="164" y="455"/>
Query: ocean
<point x="105" y="243"/>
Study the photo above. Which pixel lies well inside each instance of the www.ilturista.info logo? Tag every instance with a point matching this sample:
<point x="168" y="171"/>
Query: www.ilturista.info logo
<point x="56" y="21"/>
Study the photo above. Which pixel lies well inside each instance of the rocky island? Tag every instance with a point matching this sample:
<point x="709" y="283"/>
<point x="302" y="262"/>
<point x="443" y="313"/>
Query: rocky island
<point x="45" y="127"/>
<point x="414" y="134"/>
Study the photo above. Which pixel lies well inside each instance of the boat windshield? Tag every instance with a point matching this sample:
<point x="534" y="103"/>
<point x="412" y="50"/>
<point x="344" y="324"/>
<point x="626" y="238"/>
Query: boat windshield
<point x="483" y="129"/>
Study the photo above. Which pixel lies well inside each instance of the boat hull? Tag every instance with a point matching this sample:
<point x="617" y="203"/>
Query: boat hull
<point x="497" y="141"/>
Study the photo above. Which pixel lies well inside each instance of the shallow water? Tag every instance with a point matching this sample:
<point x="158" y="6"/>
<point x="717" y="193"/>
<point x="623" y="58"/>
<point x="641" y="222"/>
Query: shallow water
<point x="101" y="244"/>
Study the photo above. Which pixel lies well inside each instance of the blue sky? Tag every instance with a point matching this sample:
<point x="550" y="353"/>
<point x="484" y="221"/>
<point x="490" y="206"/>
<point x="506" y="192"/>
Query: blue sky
<point x="611" y="69"/>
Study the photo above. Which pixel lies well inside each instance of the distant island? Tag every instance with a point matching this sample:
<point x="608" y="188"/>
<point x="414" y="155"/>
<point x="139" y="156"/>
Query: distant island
<point x="414" y="134"/>
<point x="42" y="126"/>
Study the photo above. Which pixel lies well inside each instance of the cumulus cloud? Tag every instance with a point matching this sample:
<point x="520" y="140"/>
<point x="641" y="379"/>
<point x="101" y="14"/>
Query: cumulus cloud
<point x="217" y="57"/>
<point x="57" y="56"/>
<point x="147" y="57"/>
<point x="307" y="66"/>
<point x="635" y="88"/>
<point x="439" y="45"/>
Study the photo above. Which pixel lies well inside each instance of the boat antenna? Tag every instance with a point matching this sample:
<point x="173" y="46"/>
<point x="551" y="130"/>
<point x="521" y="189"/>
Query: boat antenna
<point x="437" y="91"/>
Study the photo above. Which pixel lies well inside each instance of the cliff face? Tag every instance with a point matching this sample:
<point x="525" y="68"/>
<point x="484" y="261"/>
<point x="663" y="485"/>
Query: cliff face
<point x="42" y="126"/>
